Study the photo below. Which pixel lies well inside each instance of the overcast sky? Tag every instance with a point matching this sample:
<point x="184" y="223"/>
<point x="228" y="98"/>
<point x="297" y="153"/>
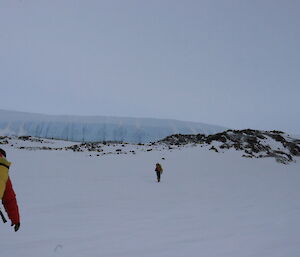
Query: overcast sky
<point x="231" y="63"/>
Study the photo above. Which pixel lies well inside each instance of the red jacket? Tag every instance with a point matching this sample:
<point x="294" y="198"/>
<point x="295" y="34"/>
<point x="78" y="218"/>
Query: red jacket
<point x="9" y="202"/>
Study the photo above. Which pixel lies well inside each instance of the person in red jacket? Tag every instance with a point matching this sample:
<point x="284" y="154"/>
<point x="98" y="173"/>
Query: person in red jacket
<point x="7" y="193"/>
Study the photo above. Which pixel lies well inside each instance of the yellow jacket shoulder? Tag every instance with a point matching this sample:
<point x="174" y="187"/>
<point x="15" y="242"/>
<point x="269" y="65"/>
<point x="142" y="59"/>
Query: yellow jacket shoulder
<point x="4" y="167"/>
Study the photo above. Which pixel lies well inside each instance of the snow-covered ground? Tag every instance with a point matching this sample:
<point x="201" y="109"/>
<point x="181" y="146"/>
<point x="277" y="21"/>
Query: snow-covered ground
<point x="207" y="204"/>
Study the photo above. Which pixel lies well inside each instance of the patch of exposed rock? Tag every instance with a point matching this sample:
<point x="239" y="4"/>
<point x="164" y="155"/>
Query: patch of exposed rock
<point x="254" y="143"/>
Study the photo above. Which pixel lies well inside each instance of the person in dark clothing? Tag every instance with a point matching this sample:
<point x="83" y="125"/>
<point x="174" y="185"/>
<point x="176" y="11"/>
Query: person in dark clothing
<point x="159" y="171"/>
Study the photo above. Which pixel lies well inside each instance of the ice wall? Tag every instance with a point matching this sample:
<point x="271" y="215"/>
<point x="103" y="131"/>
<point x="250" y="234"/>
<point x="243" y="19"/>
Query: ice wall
<point x="98" y="128"/>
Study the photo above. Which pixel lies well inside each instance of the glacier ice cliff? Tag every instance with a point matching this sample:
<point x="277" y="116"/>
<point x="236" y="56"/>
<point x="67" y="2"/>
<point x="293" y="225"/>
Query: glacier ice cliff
<point x="97" y="128"/>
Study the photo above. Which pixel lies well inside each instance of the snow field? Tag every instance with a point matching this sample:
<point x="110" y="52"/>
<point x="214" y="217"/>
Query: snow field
<point x="208" y="204"/>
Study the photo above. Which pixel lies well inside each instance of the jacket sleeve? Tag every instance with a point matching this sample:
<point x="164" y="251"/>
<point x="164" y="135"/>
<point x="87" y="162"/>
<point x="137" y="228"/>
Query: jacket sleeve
<point x="9" y="202"/>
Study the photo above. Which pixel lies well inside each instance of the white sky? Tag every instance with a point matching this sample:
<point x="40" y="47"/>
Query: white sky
<point x="231" y="63"/>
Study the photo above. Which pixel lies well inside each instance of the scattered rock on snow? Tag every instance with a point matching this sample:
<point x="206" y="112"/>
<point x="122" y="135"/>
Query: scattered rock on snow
<point x="254" y="143"/>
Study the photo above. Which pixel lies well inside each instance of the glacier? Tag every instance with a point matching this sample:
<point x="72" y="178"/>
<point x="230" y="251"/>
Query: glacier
<point x="97" y="128"/>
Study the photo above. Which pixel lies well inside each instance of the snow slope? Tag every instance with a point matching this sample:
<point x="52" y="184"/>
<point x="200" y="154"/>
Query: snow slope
<point x="100" y="128"/>
<point x="208" y="204"/>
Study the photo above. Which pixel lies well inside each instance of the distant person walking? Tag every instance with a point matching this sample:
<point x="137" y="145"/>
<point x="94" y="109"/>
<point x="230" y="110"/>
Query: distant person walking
<point x="159" y="171"/>
<point x="7" y="193"/>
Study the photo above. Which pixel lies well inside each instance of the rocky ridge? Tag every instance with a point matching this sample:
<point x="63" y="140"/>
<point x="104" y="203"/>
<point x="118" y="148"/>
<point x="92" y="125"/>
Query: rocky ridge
<point x="254" y="143"/>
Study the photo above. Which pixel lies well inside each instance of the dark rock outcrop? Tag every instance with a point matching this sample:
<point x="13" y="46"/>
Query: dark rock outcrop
<point x="254" y="143"/>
